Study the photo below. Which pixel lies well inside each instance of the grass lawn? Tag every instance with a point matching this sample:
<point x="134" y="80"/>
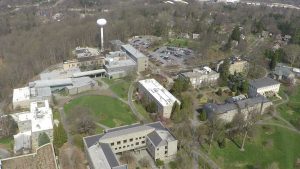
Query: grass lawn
<point x="7" y="142"/>
<point x="291" y="110"/>
<point x="118" y="86"/>
<point x="270" y="145"/>
<point x="104" y="109"/>
<point x="142" y="111"/>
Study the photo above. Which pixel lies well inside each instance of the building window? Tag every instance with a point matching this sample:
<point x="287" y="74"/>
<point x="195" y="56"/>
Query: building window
<point x="136" y="138"/>
<point x="157" y="149"/>
<point x="124" y="141"/>
<point x="166" y="152"/>
<point x="131" y="140"/>
<point x="131" y="144"/>
<point x="116" y="148"/>
<point x="120" y="147"/>
<point x="140" y="138"/>
<point x="143" y="136"/>
<point x="127" y="145"/>
<point x="143" y="142"/>
<point x="124" y="146"/>
<point x="137" y="143"/>
<point x="119" y="142"/>
<point x="112" y="144"/>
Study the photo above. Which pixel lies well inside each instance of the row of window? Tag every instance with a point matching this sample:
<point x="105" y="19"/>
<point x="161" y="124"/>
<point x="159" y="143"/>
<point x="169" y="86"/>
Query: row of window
<point x="137" y="143"/>
<point x="130" y="140"/>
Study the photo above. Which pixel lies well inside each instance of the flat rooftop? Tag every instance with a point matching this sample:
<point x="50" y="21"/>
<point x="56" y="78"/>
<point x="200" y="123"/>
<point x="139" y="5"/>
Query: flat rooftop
<point x="198" y="73"/>
<point x="263" y="82"/>
<point x="43" y="158"/>
<point x="51" y="83"/>
<point x="162" y="95"/>
<point x="59" y="74"/>
<point x="120" y="63"/>
<point x="21" y="94"/>
<point x="133" y="51"/>
<point x="88" y="73"/>
<point x="40" y="116"/>
<point x="82" y="81"/>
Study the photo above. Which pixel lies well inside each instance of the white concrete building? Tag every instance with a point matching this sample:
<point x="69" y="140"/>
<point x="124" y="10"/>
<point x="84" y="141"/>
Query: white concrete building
<point x="101" y="149"/>
<point x="201" y="77"/>
<point x="263" y="86"/>
<point x="38" y="120"/>
<point x="21" y="98"/>
<point x="154" y="91"/>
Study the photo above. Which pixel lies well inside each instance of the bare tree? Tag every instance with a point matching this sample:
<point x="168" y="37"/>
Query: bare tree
<point x="127" y="157"/>
<point x="8" y="126"/>
<point x="144" y="163"/>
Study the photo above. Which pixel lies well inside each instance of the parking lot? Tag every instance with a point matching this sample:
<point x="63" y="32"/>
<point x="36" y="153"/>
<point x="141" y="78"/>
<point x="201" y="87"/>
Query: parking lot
<point x="167" y="56"/>
<point x="143" y="42"/>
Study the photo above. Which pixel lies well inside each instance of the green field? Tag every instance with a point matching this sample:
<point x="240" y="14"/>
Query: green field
<point x="105" y="110"/>
<point x="118" y="86"/>
<point x="291" y="110"/>
<point x="7" y="142"/>
<point x="271" y="145"/>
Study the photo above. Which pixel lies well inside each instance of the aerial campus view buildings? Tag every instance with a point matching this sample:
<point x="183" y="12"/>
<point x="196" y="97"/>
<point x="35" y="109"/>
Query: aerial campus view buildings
<point x="78" y="75"/>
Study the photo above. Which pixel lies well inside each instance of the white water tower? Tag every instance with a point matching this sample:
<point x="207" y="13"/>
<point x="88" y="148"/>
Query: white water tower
<point x="101" y="22"/>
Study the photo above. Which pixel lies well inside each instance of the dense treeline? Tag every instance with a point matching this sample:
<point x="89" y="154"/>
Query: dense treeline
<point x="28" y="46"/>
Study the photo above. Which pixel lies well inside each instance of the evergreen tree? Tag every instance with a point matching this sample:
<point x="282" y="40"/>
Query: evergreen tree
<point x="176" y="116"/>
<point x="203" y="116"/>
<point x="245" y="86"/>
<point x="236" y="34"/>
<point x="59" y="137"/>
<point x="224" y="70"/>
<point x="43" y="139"/>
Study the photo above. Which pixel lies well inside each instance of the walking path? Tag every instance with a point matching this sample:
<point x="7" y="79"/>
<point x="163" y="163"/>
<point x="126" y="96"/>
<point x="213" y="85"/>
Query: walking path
<point x="132" y="106"/>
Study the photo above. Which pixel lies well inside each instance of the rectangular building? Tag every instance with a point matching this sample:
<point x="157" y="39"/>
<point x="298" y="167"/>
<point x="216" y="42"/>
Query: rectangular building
<point x="154" y="91"/>
<point x="201" y="77"/>
<point x="154" y="137"/>
<point x="263" y="86"/>
<point x="21" y="98"/>
<point x="227" y="111"/>
<point x="38" y="120"/>
<point x="137" y="56"/>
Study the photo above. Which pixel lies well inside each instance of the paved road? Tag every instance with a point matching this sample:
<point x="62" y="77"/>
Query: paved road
<point x="102" y="125"/>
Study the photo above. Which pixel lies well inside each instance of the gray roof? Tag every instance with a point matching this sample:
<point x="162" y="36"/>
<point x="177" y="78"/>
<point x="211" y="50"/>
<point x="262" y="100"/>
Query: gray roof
<point x="51" y="83"/>
<point x="133" y="51"/>
<point x="283" y="71"/>
<point x="88" y="73"/>
<point x="242" y="104"/>
<point x="82" y="81"/>
<point x="92" y="140"/>
<point x="126" y="131"/>
<point x="157" y="125"/>
<point x="109" y="154"/>
<point x="262" y="82"/>
<point x="122" y="128"/>
<point x="155" y="138"/>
